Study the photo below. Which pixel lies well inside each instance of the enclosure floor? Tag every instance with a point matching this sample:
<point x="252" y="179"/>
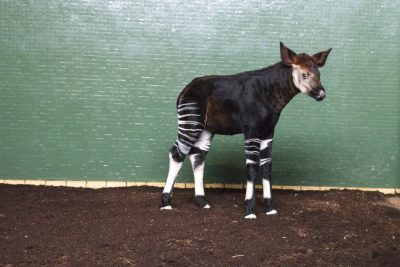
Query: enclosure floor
<point x="59" y="226"/>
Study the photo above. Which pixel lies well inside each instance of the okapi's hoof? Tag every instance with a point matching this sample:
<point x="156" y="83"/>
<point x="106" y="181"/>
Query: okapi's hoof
<point x="250" y="208"/>
<point x="250" y="216"/>
<point x="165" y="201"/>
<point x="201" y="202"/>
<point x="271" y="212"/>
<point x="269" y="207"/>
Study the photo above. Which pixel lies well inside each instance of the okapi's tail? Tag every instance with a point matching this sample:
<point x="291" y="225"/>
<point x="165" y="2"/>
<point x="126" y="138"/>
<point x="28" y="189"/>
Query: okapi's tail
<point x="193" y="90"/>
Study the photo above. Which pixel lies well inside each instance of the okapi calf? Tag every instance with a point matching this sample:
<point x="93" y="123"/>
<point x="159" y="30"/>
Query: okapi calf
<point x="249" y="103"/>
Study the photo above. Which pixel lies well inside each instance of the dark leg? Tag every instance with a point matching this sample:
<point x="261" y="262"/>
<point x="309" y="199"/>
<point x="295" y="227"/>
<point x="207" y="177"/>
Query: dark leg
<point x="265" y="170"/>
<point x="252" y="150"/>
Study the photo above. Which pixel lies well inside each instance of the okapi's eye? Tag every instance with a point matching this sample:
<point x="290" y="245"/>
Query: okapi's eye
<point x="305" y="76"/>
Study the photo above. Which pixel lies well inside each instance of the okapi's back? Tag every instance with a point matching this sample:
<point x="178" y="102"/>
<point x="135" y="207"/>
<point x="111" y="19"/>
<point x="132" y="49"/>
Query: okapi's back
<point x="197" y="89"/>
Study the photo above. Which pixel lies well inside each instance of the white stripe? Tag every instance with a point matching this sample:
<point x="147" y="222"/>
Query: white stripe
<point x="252" y="152"/>
<point x="253" y="140"/>
<point x="186" y="142"/>
<point x="188" y="115"/>
<point x="187" y="108"/>
<point x="264" y="143"/>
<point x="249" y="161"/>
<point x="190" y="130"/>
<point x="184" y="148"/>
<point x="263" y="161"/>
<point x="187" y="136"/>
<point x="249" y="190"/>
<point x="204" y="140"/>
<point x="194" y="123"/>
<point x="266" y="188"/>
<point x="174" y="168"/>
<point x="186" y="104"/>
<point x="256" y="147"/>
<point x="198" y="174"/>
<point x="190" y="122"/>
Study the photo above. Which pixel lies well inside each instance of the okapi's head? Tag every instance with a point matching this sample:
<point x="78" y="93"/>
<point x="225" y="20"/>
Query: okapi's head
<point x="306" y="76"/>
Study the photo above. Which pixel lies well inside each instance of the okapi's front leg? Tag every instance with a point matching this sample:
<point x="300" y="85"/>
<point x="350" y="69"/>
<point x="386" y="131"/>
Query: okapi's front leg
<point x="265" y="170"/>
<point x="252" y="150"/>
<point x="197" y="157"/>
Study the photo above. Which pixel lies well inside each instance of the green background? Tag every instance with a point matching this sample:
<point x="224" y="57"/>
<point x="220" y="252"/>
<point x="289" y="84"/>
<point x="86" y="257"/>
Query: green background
<point x="88" y="88"/>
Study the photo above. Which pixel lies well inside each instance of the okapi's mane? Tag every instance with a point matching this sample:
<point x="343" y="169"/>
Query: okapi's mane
<point x="277" y="67"/>
<point x="276" y="81"/>
<point x="277" y="76"/>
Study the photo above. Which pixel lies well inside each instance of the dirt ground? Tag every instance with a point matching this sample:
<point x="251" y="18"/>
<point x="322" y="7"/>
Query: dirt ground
<point x="58" y="226"/>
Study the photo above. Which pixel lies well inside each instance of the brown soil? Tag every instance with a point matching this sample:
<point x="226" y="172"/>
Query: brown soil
<point x="56" y="226"/>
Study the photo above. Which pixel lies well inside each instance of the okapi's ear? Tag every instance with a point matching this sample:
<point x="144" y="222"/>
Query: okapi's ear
<point x="287" y="55"/>
<point x="321" y="57"/>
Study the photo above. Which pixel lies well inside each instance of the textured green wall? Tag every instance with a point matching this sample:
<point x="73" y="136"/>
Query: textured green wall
<point x="88" y="88"/>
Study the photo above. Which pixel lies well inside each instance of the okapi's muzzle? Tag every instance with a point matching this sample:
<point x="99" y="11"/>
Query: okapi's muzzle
<point x="318" y="94"/>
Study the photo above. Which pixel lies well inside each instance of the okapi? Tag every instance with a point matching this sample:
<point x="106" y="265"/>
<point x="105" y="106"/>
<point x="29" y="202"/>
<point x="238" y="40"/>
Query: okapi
<point x="249" y="103"/>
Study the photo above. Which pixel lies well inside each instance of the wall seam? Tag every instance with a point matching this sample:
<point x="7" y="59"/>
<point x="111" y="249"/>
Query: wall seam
<point x="121" y="184"/>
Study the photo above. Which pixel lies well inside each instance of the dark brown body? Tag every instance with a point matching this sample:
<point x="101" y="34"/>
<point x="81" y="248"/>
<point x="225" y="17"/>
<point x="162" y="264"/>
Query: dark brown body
<point x="232" y="104"/>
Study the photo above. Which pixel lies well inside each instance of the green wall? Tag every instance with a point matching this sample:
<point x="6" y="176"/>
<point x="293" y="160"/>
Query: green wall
<point x="88" y="88"/>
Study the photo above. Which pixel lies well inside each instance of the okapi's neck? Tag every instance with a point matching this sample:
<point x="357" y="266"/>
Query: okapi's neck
<point x="278" y="85"/>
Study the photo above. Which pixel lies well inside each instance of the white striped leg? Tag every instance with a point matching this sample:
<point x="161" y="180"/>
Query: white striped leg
<point x="198" y="173"/>
<point x="190" y="125"/>
<point x="252" y="150"/>
<point x="250" y="200"/>
<point x="174" y="167"/>
<point x="265" y="168"/>
<point x="268" y="197"/>
<point x="197" y="158"/>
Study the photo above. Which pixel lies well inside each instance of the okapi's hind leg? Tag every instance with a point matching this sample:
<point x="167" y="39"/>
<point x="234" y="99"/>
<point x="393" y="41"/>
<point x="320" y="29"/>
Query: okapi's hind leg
<point x="265" y="170"/>
<point x="174" y="167"/>
<point x="190" y="125"/>
<point x="197" y="157"/>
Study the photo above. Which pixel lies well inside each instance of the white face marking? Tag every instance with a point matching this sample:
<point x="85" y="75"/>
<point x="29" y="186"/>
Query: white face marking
<point x="297" y="80"/>
<point x="300" y="83"/>
<point x="249" y="190"/>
